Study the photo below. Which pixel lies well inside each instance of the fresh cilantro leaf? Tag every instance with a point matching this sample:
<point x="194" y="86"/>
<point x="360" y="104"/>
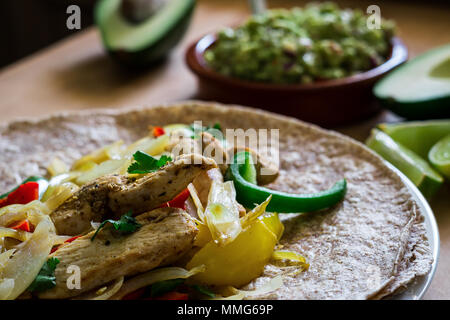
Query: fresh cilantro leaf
<point x="217" y="126"/>
<point x="212" y="130"/>
<point x="196" y="128"/>
<point x="203" y="290"/>
<point x="46" y="277"/>
<point x="145" y="163"/>
<point x="162" y="287"/>
<point x="126" y="224"/>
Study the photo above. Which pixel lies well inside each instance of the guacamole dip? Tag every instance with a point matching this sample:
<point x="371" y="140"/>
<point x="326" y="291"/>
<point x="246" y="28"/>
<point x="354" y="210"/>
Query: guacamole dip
<point x="300" y="45"/>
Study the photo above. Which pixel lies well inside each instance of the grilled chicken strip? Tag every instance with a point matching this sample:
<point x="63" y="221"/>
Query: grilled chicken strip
<point x="114" y="195"/>
<point x="261" y="163"/>
<point x="213" y="148"/>
<point x="208" y="146"/>
<point x="166" y="234"/>
<point x="202" y="184"/>
<point x="203" y="181"/>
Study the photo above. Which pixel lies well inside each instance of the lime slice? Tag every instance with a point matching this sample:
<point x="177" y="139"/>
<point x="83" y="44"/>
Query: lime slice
<point x="418" y="136"/>
<point x="412" y="165"/>
<point x="439" y="156"/>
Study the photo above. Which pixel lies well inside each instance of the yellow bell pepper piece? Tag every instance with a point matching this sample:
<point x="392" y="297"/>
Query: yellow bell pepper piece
<point x="290" y="256"/>
<point x="149" y="145"/>
<point x="270" y="219"/>
<point x="57" y="167"/>
<point x="203" y="235"/>
<point x="238" y="262"/>
<point x="273" y="222"/>
<point x="99" y="156"/>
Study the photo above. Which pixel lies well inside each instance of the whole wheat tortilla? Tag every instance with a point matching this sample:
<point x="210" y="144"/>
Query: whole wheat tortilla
<point x="369" y="246"/>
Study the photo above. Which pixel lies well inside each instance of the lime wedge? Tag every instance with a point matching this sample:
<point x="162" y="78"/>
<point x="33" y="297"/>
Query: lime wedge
<point x="439" y="156"/>
<point x="412" y="165"/>
<point x="418" y="136"/>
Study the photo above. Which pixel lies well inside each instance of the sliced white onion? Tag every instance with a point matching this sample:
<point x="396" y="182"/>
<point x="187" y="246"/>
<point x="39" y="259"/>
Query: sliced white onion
<point x="26" y="263"/>
<point x="197" y="202"/>
<point x="111" y="151"/>
<point x="222" y="212"/>
<point x="104" y="168"/>
<point x="61" y="194"/>
<point x="56" y="181"/>
<point x="115" y="287"/>
<point x="4" y="258"/>
<point x="95" y="225"/>
<point x="157" y="275"/>
<point x="15" y="234"/>
<point x="148" y="145"/>
<point x="255" y="213"/>
<point x="272" y="285"/>
<point x="57" y="167"/>
<point x="237" y="296"/>
<point x="57" y="240"/>
<point x="33" y="211"/>
<point x="6" y="287"/>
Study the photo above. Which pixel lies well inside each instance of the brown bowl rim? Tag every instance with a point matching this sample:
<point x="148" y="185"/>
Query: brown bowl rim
<point x="196" y="62"/>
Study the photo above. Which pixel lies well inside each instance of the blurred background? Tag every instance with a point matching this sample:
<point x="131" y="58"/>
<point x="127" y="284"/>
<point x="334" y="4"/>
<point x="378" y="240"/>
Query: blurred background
<point x="29" y="25"/>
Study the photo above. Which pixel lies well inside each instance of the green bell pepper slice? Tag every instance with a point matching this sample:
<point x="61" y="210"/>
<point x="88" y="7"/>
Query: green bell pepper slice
<point x="249" y="194"/>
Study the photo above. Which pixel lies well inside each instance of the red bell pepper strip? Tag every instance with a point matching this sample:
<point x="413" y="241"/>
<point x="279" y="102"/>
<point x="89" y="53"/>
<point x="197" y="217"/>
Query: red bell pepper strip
<point x="22" y="225"/>
<point x="158" y="131"/>
<point x="134" y="295"/>
<point x="54" y="249"/>
<point x="24" y="194"/>
<point x="43" y="185"/>
<point x="71" y="239"/>
<point x="67" y="241"/>
<point x="178" y="201"/>
<point x="173" y="295"/>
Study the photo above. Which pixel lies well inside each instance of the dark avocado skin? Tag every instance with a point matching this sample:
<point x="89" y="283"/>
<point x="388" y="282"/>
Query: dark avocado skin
<point x="156" y="52"/>
<point x="438" y="108"/>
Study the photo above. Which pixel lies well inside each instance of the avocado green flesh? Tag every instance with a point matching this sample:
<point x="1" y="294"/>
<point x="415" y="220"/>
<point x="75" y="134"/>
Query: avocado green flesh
<point x="442" y="70"/>
<point x="419" y="79"/>
<point x="418" y="136"/>
<point x="419" y="89"/>
<point x="412" y="165"/>
<point x="119" y="34"/>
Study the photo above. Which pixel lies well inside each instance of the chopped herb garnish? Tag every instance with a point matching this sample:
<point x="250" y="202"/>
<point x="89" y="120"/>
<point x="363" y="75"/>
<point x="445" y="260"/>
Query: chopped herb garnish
<point x="162" y="287"/>
<point x="126" y="224"/>
<point x="145" y="163"/>
<point x="217" y="126"/>
<point x="203" y="290"/>
<point x="46" y="277"/>
<point x="212" y="130"/>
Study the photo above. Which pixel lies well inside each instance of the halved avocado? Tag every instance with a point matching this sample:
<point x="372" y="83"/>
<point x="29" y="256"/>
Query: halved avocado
<point x="141" y="44"/>
<point x="419" y="89"/>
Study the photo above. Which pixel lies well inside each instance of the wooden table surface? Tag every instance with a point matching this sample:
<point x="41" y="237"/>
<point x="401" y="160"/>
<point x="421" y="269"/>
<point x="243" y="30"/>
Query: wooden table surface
<point x="76" y="74"/>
